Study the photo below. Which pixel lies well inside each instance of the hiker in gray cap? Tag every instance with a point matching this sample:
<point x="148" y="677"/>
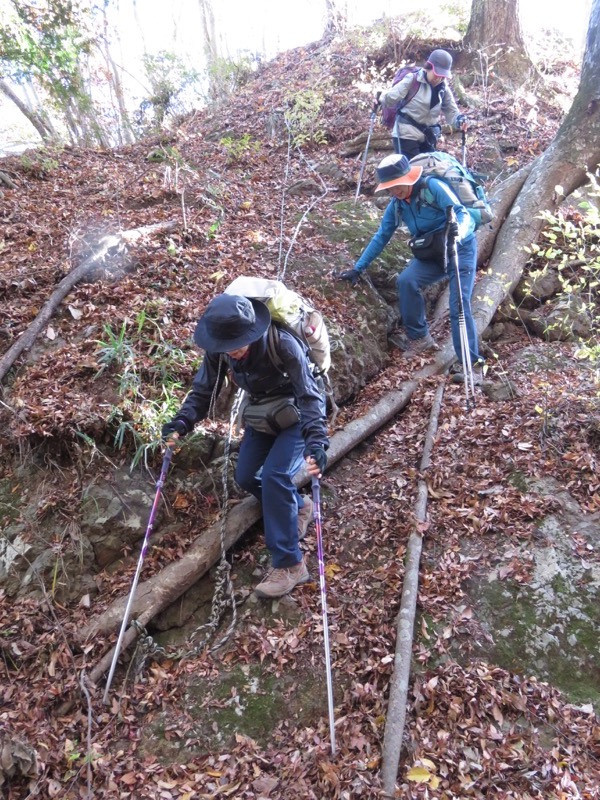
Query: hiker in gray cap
<point x="284" y="424"/>
<point x="419" y="98"/>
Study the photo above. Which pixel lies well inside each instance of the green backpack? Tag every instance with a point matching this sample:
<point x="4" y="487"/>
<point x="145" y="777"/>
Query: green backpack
<point x="466" y="186"/>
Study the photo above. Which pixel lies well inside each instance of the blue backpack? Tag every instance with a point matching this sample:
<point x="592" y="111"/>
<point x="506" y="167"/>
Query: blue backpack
<point x="464" y="184"/>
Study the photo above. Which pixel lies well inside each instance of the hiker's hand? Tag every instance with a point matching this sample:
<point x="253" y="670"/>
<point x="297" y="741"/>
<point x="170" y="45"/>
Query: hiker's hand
<point x="172" y="431"/>
<point x="453" y="230"/>
<point x="351" y="275"/>
<point x="316" y="461"/>
<point x="376" y="103"/>
<point x="460" y="123"/>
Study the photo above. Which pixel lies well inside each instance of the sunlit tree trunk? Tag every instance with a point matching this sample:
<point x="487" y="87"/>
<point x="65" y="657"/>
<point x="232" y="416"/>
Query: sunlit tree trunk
<point x="211" y="50"/>
<point x="113" y="73"/>
<point x="494" y="44"/>
<point x="563" y="167"/>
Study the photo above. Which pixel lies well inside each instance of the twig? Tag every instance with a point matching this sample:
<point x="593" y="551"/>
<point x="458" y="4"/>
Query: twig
<point x="84" y="689"/>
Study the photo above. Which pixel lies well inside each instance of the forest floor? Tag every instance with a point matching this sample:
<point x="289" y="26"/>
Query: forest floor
<point x="250" y="720"/>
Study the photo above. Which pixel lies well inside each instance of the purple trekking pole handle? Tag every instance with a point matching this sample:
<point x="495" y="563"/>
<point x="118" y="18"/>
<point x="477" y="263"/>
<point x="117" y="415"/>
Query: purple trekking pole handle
<point x="159" y="485"/>
<point x="316" y="494"/>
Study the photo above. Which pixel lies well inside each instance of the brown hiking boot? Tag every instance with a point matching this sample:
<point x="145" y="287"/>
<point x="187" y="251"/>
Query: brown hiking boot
<point x="305" y="516"/>
<point x="426" y="344"/>
<point x="458" y="376"/>
<point x="413" y="347"/>
<point x="281" y="580"/>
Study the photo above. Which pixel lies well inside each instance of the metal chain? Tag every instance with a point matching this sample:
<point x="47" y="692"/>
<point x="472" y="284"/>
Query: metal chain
<point x="223" y="595"/>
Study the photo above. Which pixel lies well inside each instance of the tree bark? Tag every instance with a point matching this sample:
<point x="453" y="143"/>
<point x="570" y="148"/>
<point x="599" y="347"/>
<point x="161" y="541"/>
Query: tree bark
<point x="495" y="41"/>
<point x="210" y="47"/>
<point x="27" y="338"/>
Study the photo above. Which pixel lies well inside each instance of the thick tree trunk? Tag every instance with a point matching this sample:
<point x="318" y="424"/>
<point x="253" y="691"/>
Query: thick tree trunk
<point x="495" y="41"/>
<point x="336" y="21"/>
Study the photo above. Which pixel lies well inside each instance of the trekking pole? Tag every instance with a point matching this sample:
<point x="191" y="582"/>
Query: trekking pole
<point x="465" y="350"/>
<point x="159" y="484"/>
<point x="364" y="158"/>
<point x="317" y="515"/>
<point x="464" y="148"/>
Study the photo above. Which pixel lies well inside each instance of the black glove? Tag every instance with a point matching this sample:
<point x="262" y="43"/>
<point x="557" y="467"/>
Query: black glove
<point x="319" y="455"/>
<point x="453" y="231"/>
<point x="175" y="426"/>
<point x="352" y="275"/>
<point x="459" y="121"/>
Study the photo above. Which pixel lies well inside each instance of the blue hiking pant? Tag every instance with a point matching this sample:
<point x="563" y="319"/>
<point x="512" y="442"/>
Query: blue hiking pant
<point x="419" y="274"/>
<point x="265" y="468"/>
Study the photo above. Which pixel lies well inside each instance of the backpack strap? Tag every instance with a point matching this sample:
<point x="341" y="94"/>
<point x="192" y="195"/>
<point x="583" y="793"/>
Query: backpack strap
<point x="273" y="348"/>
<point x="412" y="91"/>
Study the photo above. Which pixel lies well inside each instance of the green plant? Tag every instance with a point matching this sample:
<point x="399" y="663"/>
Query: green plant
<point x="40" y="166"/>
<point x="139" y="421"/>
<point x="226" y="75"/>
<point x="237" y="149"/>
<point x="115" y="349"/>
<point x="303" y="117"/>
<point x="570" y="245"/>
<point x="168" y="76"/>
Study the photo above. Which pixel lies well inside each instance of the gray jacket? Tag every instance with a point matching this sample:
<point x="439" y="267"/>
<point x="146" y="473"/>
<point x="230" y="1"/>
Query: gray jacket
<point x="419" y="107"/>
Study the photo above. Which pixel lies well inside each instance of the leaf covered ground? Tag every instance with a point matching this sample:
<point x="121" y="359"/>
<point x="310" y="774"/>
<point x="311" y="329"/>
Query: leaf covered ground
<point x="474" y="729"/>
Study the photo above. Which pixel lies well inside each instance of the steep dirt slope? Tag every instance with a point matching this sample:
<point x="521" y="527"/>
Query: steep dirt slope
<point x="249" y="720"/>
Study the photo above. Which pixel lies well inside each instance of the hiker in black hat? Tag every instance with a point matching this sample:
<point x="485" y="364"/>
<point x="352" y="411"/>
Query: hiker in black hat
<point x="423" y="96"/>
<point x="421" y="215"/>
<point x="233" y="331"/>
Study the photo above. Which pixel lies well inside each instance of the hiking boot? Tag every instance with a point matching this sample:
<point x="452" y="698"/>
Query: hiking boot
<point x="281" y="580"/>
<point x="413" y="347"/>
<point x="458" y="376"/>
<point x="305" y="516"/>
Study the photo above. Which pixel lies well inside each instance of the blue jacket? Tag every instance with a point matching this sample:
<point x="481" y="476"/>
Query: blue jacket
<point x="424" y="211"/>
<point x="259" y="377"/>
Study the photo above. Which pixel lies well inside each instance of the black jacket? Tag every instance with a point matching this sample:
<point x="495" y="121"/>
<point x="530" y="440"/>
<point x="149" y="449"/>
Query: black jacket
<point x="259" y="377"/>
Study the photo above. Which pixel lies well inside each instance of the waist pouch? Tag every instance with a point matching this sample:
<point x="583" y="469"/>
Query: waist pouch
<point x="271" y="414"/>
<point x="431" y="132"/>
<point x="429" y="246"/>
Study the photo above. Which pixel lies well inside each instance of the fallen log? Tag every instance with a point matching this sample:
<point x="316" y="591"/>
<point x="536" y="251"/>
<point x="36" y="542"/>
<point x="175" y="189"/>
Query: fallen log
<point x="107" y="243"/>
<point x="405" y="621"/>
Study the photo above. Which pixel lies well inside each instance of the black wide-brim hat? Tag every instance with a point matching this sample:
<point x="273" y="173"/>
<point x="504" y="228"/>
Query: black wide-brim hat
<point x="230" y="322"/>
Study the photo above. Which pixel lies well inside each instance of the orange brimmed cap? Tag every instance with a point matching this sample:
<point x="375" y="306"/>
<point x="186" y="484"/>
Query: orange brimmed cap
<point x="396" y="170"/>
